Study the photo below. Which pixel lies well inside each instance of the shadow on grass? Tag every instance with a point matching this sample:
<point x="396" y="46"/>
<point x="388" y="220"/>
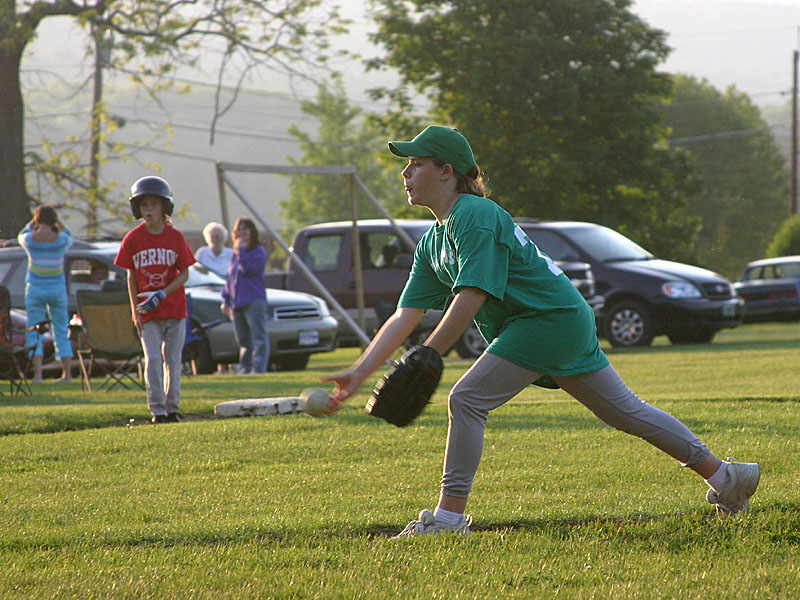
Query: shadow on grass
<point x="567" y="527"/>
<point x="782" y="528"/>
<point x="510" y="419"/>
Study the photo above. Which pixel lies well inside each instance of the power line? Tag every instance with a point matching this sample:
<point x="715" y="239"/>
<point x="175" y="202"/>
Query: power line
<point x="197" y="157"/>
<point x="723" y="135"/>
<point x="731" y="31"/>
<point x="294" y="96"/>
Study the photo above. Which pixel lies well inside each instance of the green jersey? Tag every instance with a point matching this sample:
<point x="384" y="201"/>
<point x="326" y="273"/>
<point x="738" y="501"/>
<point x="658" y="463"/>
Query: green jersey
<point x="533" y="316"/>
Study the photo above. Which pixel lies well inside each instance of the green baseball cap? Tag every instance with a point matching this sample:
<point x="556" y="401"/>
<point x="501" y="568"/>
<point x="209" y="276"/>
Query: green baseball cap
<point x="446" y="144"/>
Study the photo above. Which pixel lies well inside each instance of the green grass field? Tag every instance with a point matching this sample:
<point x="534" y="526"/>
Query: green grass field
<point x="96" y="504"/>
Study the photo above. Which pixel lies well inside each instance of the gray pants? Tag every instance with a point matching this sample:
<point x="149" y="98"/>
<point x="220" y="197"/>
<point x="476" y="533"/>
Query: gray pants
<point x="492" y="381"/>
<point x="162" y="342"/>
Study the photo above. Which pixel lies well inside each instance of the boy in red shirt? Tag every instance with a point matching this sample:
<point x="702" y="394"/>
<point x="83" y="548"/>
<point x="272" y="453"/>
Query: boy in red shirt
<point x="157" y="259"/>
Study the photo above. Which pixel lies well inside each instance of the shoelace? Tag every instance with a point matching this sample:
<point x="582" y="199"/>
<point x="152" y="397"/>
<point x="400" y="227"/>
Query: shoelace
<point x="412" y="526"/>
<point x="409" y="528"/>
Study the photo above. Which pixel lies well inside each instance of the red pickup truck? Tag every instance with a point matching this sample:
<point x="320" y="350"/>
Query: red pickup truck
<point x="328" y="251"/>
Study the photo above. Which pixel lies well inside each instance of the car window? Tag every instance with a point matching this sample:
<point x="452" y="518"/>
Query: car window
<point x="750" y="274"/>
<point x="322" y="252"/>
<point x="552" y="244"/>
<point x="791" y="270"/>
<point x="87" y="274"/>
<point x="379" y="249"/>
<point x="6" y="269"/>
<point x="17" y="279"/>
<point x="604" y="244"/>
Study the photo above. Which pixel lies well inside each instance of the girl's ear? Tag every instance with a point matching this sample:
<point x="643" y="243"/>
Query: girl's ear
<point x="447" y="171"/>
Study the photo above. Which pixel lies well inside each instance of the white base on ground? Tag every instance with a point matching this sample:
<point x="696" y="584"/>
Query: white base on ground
<point x="257" y="407"/>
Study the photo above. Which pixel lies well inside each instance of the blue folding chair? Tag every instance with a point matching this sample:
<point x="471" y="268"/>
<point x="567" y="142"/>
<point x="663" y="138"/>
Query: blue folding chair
<point x="195" y="338"/>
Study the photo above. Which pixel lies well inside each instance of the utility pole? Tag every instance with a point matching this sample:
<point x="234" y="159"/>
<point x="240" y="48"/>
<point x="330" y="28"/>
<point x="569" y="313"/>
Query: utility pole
<point x="94" y="143"/>
<point x="793" y="199"/>
<point x="102" y="58"/>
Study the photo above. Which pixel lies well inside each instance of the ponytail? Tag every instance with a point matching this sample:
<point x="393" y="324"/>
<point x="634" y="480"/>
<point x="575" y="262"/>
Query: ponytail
<point x="472" y="183"/>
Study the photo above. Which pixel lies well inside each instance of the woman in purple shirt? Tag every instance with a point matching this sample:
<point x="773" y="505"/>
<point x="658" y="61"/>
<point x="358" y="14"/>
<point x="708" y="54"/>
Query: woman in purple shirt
<point x="244" y="297"/>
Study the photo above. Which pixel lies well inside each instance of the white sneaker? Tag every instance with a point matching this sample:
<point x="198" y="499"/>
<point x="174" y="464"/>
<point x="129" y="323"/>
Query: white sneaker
<point x="427" y="524"/>
<point x="743" y="483"/>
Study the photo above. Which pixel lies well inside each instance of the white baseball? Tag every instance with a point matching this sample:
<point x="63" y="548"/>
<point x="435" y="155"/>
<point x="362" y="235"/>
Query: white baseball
<point x="316" y="400"/>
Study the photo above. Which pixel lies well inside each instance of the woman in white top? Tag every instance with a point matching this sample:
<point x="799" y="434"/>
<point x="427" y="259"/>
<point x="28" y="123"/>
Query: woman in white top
<point x="215" y="257"/>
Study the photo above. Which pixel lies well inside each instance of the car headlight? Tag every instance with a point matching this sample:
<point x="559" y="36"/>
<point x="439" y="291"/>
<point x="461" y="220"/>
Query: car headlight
<point x="680" y="289"/>
<point x="324" y="311"/>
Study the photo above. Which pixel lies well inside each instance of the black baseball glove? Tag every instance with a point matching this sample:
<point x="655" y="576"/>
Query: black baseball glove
<point x="403" y="392"/>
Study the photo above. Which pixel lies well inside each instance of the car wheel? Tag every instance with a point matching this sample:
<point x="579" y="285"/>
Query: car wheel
<point x="471" y="343"/>
<point x="627" y="324"/>
<point x="692" y="336"/>
<point x="294" y="362"/>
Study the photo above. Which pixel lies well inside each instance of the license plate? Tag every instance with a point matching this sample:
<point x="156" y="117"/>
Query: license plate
<point x="308" y="337"/>
<point x="728" y="310"/>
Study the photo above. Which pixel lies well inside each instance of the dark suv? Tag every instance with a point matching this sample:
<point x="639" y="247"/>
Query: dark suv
<point x="644" y="296"/>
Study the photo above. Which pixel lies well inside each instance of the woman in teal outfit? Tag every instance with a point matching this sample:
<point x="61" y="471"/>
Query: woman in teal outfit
<point x="45" y="241"/>
<point x="536" y="323"/>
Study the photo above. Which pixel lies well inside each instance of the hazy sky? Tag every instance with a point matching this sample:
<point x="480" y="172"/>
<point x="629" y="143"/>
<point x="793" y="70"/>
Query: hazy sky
<point x="746" y="43"/>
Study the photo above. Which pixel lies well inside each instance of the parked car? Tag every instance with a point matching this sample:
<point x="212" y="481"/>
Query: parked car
<point x="298" y="325"/>
<point x="86" y="266"/>
<point x="327" y="249"/>
<point x="644" y="296"/>
<point x="770" y="289"/>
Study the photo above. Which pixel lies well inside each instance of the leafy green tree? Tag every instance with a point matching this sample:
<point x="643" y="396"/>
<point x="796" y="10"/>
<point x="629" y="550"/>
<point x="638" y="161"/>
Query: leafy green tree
<point x="153" y="38"/>
<point x="745" y="193"/>
<point x="344" y="137"/>
<point x="561" y="101"/>
<point x="787" y="241"/>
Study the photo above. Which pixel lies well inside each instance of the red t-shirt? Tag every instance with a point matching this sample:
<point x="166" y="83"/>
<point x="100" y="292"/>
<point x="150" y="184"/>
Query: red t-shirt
<point x="156" y="259"/>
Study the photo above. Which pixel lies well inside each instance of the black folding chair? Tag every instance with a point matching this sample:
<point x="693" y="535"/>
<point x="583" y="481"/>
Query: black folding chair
<point x="12" y="356"/>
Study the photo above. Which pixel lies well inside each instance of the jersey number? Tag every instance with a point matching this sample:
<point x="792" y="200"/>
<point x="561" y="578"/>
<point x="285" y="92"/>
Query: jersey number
<point x="554" y="268"/>
<point x="523" y="239"/>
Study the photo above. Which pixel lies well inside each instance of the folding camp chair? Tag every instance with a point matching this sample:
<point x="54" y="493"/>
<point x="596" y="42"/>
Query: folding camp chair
<point x="110" y="341"/>
<point x="12" y="356"/>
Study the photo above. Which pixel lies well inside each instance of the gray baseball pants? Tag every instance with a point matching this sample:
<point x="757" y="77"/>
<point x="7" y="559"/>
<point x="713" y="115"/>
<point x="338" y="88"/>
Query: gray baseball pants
<point x="162" y="342"/>
<point x="492" y="381"/>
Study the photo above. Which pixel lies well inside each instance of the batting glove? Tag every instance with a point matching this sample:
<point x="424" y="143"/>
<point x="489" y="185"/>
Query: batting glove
<point x="152" y="299"/>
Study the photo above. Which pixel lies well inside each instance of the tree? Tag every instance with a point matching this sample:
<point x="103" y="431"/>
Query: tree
<point x="787" y="240"/>
<point x="344" y="137"/>
<point x="745" y="193"/>
<point x="561" y="101"/>
<point x="155" y="36"/>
